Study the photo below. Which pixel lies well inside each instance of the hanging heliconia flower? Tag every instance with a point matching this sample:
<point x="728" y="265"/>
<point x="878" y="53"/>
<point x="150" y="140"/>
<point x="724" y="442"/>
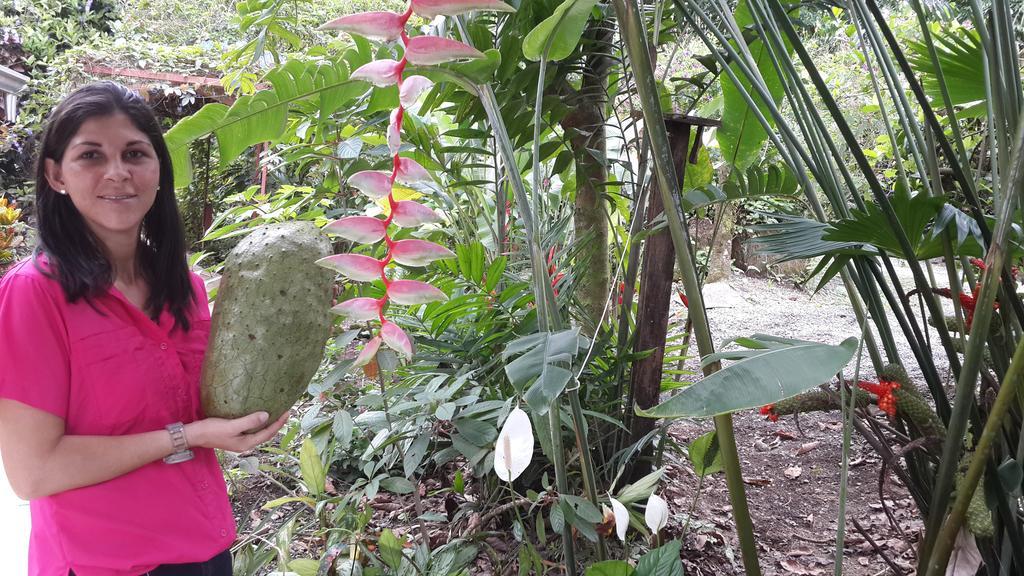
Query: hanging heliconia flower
<point x="379" y="185"/>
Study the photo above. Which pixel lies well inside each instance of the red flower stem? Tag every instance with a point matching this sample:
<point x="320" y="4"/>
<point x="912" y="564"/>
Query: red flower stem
<point x="395" y="166"/>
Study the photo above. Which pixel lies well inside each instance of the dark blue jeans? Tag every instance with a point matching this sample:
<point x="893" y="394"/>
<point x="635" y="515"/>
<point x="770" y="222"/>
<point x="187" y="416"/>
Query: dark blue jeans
<point x="219" y="565"/>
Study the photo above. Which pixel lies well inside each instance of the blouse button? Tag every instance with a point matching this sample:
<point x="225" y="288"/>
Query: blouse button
<point x="223" y="532"/>
<point x="163" y="345"/>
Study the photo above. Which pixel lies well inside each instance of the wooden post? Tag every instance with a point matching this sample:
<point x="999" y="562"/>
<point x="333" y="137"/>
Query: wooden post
<point x="656" y="275"/>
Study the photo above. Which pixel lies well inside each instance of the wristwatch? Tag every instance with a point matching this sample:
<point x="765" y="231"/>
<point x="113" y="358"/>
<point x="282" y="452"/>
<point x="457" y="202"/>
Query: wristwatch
<point x="181" y="451"/>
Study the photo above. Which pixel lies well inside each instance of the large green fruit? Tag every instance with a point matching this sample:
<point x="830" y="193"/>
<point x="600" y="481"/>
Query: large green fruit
<point x="270" y="322"/>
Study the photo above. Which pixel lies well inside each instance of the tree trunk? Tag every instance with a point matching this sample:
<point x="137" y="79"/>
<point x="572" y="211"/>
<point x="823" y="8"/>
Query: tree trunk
<point x="720" y="250"/>
<point x="584" y="126"/>
<point x="656" y="275"/>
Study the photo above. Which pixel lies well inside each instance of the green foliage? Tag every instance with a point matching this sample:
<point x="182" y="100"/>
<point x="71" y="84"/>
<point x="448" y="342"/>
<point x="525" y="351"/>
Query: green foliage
<point x="557" y="36"/>
<point x="705" y="455"/>
<point x="741" y="136"/>
<point x="260" y="117"/>
<point x="755" y="182"/>
<point x="47" y="29"/>
<point x="542" y="363"/>
<point x="961" y="58"/>
<point x="771" y="370"/>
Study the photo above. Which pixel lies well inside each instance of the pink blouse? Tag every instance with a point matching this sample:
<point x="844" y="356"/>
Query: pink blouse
<point x="107" y="369"/>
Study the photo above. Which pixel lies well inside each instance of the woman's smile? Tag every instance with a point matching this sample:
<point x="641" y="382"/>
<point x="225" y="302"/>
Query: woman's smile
<point x="111" y="173"/>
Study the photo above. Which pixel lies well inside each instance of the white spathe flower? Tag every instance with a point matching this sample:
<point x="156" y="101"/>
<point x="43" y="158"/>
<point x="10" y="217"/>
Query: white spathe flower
<point x="621" y="518"/>
<point x="514" y="448"/>
<point x="656" y="514"/>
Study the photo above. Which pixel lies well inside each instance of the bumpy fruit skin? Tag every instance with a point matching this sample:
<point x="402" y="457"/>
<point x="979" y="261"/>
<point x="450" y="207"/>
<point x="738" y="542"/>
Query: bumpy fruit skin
<point x="911" y="405"/>
<point x="979" y="519"/>
<point x="270" y="322"/>
<point x="814" y="401"/>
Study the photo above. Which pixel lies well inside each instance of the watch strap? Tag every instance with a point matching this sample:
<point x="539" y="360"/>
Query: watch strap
<point x="180" y="444"/>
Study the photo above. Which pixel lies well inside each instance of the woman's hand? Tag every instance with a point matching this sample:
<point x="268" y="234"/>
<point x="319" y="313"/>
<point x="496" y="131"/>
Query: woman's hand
<point x="233" y="435"/>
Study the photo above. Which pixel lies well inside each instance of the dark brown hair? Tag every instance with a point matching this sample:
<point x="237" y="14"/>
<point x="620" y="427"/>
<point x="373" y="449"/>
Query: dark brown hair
<point x="76" y="257"/>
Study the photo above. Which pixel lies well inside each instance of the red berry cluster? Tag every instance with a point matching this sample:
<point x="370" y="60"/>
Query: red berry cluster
<point x="769" y="412"/>
<point x="885" y="390"/>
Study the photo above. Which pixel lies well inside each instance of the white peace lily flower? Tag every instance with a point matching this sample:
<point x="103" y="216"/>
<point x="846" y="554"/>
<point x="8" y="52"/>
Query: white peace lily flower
<point x="514" y="448"/>
<point x="656" y="514"/>
<point x="621" y="518"/>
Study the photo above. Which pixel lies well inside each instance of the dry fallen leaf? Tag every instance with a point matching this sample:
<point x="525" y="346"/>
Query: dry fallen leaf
<point x="792" y="472"/>
<point x="805" y="448"/>
<point x="863" y="561"/>
<point x="757" y="481"/>
<point x="785" y="435"/>
<point x="800" y="551"/>
<point x="795" y="567"/>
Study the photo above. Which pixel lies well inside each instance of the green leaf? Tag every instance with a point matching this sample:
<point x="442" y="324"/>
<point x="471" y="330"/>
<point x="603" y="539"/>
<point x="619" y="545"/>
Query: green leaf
<point x="699" y="174"/>
<point x="662" y="561"/>
<point x="260" y="117"/>
<point x="288" y="499"/>
<point x="1011" y="476"/>
<point x="914" y="214"/>
<point x="756" y="181"/>
<point x="741" y="135"/>
<point x="610" y="568"/>
<point x="342" y="429"/>
<point x="391" y="549"/>
<point x="794" y="238"/>
<point x="476" y="432"/>
<point x="583" y="508"/>
<point x="452" y="557"/>
<point x="543" y="358"/>
<point x="704" y="454"/>
<point x="557" y="519"/>
<point x="304" y="567"/>
<point x="641" y="489"/>
<point x="961" y="58"/>
<point x="767" y="377"/>
<point x="398" y="485"/>
<point x="416" y="452"/>
<point x="313" y="474"/>
<point x="563" y="29"/>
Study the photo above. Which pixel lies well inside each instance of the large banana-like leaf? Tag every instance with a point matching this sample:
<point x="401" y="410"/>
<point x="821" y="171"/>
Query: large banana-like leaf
<point x="561" y="31"/>
<point x="773" y="370"/>
<point x="544" y="358"/>
<point x="741" y="135"/>
<point x="260" y="117"/>
<point x="756" y="181"/>
<point x="960" y="56"/>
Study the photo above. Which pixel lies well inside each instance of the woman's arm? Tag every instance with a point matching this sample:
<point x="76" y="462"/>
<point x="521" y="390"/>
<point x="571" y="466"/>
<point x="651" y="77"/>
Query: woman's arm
<point x="41" y="460"/>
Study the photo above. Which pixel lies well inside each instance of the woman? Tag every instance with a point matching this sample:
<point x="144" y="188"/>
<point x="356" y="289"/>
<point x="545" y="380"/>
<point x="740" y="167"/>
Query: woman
<point x="102" y="337"/>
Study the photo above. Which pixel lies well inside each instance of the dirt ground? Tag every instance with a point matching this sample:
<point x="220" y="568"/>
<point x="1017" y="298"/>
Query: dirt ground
<point x="791" y="468"/>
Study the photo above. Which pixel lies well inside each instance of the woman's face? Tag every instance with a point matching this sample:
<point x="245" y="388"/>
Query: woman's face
<point x="111" y="174"/>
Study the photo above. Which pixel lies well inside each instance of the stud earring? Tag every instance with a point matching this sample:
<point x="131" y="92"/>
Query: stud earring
<point x="63" y="192"/>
